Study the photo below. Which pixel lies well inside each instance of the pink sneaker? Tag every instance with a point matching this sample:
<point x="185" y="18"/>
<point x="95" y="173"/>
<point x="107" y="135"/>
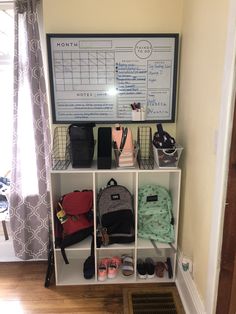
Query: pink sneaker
<point x="102" y="269"/>
<point x="113" y="267"/>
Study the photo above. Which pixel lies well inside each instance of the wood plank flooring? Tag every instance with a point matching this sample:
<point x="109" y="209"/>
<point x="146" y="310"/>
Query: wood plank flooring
<point x="22" y="291"/>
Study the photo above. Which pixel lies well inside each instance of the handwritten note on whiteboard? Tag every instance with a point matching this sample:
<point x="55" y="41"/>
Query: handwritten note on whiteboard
<point x="97" y="77"/>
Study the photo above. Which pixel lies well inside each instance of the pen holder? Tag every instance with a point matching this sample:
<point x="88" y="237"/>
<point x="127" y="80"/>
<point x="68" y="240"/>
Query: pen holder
<point x="136" y="115"/>
<point x="143" y="114"/>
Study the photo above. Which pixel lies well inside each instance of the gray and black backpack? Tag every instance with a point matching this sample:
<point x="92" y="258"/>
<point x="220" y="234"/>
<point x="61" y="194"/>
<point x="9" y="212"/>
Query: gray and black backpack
<point x="115" y="215"/>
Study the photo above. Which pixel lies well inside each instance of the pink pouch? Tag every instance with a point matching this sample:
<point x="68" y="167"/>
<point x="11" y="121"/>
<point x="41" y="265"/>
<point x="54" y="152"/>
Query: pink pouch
<point x="118" y="135"/>
<point x="124" y="142"/>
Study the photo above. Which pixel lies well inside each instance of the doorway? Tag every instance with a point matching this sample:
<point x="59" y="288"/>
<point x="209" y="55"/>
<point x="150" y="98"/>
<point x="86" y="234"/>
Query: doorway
<point x="226" y="302"/>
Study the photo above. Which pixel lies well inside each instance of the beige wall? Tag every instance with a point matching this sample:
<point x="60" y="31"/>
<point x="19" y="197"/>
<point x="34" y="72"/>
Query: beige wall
<point x="104" y="16"/>
<point x="107" y="16"/>
<point x="203" y="27"/>
<point x="202" y="57"/>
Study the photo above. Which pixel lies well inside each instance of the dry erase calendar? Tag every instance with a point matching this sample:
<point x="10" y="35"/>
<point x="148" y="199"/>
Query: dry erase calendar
<point x="98" y="77"/>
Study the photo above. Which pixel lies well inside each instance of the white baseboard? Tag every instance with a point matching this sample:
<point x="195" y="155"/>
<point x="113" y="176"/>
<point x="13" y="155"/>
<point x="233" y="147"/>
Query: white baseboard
<point x="188" y="291"/>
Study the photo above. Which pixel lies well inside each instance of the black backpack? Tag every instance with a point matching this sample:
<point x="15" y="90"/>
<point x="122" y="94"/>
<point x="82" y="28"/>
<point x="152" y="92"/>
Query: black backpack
<point x="115" y="215"/>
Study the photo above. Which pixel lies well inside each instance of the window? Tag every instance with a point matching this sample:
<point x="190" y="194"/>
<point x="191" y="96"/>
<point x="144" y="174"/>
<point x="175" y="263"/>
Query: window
<point x="6" y="84"/>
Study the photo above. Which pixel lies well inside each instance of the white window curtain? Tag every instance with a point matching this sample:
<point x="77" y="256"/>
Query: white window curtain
<point x="6" y="84"/>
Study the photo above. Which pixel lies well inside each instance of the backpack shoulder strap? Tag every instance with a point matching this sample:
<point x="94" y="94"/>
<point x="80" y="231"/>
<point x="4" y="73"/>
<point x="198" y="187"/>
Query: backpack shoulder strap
<point x="110" y="182"/>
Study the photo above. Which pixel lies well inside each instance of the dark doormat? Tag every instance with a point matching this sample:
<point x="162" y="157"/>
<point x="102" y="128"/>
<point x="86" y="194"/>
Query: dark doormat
<point x="158" y="300"/>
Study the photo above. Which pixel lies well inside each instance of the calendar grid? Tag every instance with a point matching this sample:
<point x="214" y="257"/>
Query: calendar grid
<point x="73" y="69"/>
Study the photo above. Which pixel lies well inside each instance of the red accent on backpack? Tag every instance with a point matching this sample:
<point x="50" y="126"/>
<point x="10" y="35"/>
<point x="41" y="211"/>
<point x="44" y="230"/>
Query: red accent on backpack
<point x="76" y="205"/>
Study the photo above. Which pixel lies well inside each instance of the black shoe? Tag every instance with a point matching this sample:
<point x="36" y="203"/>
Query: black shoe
<point x="150" y="267"/>
<point x="142" y="269"/>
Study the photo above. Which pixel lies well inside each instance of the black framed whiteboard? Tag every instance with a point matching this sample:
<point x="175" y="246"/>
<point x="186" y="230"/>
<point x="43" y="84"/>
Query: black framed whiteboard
<point x="96" y="77"/>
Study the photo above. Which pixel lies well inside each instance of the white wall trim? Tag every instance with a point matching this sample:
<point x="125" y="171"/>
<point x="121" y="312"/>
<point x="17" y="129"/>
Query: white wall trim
<point x="6" y="5"/>
<point x="222" y="157"/>
<point x="187" y="289"/>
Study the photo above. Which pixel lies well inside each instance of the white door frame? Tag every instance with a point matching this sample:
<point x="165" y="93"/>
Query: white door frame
<point x="222" y="160"/>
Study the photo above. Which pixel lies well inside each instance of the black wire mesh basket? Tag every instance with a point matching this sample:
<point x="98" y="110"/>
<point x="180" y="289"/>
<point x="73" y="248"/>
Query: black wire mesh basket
<point x="61" y="148"/>
<point x="145" y="152"/>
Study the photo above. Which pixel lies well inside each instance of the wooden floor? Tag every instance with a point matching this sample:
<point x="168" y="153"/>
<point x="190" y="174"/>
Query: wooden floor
<point x="22" y="291"/>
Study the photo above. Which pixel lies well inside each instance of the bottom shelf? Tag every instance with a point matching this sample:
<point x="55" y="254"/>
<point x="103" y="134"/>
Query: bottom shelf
<point x="72" y="274"/>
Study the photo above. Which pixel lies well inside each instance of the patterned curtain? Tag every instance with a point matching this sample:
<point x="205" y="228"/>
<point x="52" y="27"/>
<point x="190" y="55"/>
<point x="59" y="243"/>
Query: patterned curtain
<point x="29" y="196"/>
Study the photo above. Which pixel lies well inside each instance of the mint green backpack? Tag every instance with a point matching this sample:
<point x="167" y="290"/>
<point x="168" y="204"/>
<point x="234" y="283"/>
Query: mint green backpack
<point x="155" y="219"/>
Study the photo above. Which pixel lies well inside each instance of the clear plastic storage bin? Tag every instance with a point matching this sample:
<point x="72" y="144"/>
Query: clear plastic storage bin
<point x="167" y="157"/>
<point x="126" y="158"/>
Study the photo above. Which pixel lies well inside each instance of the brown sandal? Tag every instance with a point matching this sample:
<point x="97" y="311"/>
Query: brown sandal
<point x="160" y="268"/>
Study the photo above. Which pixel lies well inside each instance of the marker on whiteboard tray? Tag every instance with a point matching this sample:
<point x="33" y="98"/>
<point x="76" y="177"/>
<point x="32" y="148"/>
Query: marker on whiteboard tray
<point x="132" y="106"/>
<point x="136" y="106"/>
<point x="117" y="126"/>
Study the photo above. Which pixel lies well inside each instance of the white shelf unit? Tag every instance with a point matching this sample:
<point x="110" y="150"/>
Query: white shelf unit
<point x="65" y="181"/>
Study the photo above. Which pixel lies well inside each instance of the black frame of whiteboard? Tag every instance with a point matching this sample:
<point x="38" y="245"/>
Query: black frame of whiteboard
<point x="175" y="72"/>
